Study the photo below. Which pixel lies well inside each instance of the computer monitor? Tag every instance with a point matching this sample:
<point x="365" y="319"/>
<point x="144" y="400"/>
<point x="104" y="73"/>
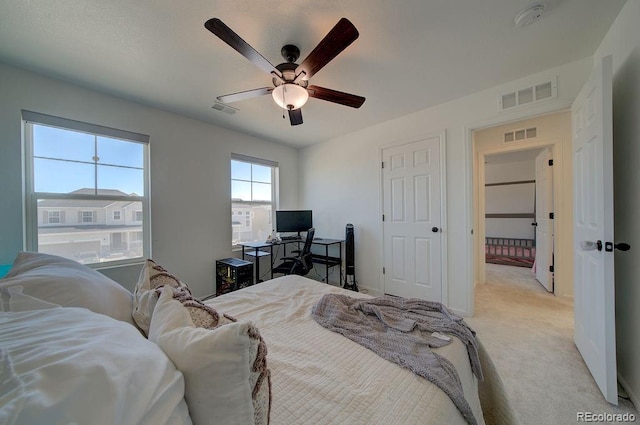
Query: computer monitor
<point x="293" y="221"/>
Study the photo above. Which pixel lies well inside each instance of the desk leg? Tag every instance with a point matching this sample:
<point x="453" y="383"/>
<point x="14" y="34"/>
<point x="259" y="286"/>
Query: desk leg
<point x="257" y="265"/>
<point x="326" y="267"/>
<point x="271" y="260"/>
<point x="340" y="257"/>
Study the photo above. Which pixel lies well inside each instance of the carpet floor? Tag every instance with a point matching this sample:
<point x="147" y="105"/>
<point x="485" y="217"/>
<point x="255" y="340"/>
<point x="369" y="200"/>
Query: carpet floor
<point x="527" y="333"/>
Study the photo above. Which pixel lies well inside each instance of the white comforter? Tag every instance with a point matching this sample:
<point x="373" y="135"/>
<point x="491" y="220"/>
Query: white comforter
<point x="320" y="377"/>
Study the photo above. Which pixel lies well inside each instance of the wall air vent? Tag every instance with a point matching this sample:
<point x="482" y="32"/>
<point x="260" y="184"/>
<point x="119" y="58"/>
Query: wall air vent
<point x="520" y="134"/>
<point x="530" y="95"/>
<point x="224" y="108"/>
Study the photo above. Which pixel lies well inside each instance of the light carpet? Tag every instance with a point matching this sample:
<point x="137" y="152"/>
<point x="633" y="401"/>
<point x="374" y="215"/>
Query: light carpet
<point x="528" y="335"/>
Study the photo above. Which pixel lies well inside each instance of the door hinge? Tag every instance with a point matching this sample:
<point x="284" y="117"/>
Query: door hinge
<point x="382" y="217"/>
<point x="551" y="269"/>
<point x="382" y="164"/>
<point x="551" y="216"/>
<point x="383" y="270"/>
<point x="550" y="162"/>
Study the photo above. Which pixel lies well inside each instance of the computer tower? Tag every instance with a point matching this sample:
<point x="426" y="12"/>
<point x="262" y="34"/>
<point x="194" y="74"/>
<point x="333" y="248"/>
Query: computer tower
<point x="233" y="274"/>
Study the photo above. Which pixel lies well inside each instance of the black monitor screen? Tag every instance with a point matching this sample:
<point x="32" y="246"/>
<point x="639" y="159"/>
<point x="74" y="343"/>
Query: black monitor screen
<point x="293" y="221"/>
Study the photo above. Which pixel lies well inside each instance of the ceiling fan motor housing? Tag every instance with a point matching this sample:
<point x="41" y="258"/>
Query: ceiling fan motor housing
<point x="290" y="53"/>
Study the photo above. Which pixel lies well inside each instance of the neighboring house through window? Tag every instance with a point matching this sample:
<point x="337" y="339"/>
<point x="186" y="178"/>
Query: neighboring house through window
<point x="80" y="177"/>
<point x="253" y="198"/>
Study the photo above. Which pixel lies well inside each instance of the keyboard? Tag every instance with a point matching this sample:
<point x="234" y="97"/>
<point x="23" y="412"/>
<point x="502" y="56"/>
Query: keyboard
<point x="289" y="238"/>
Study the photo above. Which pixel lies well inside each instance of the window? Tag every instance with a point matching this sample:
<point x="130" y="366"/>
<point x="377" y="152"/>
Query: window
<point x="53" y="217"/>
<point x="86" y="217"/>
<point x="78" y="175"/>
<point x="253" y="198"/>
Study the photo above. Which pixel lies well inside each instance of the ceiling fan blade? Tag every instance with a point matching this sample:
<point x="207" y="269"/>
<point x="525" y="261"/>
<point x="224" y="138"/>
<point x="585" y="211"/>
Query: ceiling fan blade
<point x="340" y="36"/>
<point x="226" y="34"/>
<point x="235" y="97"/>
<point x="335" y="96"/>
<point x="295" y="116"/>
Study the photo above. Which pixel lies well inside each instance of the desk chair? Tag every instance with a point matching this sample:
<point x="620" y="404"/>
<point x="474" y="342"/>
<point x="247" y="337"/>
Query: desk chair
<point x="300" y="265"/>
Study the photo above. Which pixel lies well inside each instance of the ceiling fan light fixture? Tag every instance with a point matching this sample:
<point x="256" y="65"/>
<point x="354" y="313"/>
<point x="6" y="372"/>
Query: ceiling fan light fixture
<point x="290" y="96"/>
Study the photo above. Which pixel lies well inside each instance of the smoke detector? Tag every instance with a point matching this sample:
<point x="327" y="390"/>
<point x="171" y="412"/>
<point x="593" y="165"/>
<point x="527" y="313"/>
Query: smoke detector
<point x="530" y="15"/>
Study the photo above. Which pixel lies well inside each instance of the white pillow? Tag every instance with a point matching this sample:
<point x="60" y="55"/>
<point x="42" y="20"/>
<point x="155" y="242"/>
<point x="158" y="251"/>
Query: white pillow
<point x="12" y="299"/>
<point x="68" y="283"/>
<point x="11" y="391"/>
<point x="226" y="378"/>
<point x="80" y="367"/>
<point x="152" y="278"/>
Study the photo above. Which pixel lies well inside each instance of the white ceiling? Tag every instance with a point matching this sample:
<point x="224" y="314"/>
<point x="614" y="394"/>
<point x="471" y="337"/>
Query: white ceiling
<point x="411" y="54"/>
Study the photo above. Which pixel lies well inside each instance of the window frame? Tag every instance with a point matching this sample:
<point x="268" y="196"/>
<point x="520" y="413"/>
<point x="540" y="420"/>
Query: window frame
<point x="29" y="118"/>
<point x="275" y="184"/>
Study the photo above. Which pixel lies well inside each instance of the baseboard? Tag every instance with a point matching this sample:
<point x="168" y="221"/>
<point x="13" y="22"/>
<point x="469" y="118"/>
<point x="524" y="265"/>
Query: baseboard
<point x="632" y="395"/>
<point x="370" y="291"/>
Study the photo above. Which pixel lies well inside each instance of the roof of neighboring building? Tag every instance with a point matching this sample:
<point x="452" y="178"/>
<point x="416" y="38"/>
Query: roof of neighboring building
<point x="86" y="203"/>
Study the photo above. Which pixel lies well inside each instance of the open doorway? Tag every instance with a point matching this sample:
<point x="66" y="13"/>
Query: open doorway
<point x="523" y="201"/>
<point x="518" y="200"/>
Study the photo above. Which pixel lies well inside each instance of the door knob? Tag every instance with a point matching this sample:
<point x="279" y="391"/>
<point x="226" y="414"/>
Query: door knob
<point x="435" y="229"/>
<point x="591" y="246"/>
<point x="534" y="224"/>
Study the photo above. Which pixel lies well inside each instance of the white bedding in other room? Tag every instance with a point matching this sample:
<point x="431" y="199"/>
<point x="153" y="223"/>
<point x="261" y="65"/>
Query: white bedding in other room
<point x="320" y="377"/>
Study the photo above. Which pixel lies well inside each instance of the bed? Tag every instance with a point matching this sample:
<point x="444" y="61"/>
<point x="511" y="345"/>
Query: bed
<point x="510" y="251"/>
<point x="311" y="375"/>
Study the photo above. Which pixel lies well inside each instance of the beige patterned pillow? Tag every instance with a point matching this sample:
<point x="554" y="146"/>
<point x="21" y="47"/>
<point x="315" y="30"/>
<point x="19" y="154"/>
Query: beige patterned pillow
<point x="204" y="316"/>
<point x="153" y="277"/>
<point x="224" y="361"/>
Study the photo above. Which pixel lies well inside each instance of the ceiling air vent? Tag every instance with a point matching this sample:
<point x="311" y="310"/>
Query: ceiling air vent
<point x="520" y="135"/>
<point x="528" y="95"/>
<point x="224" y="108"/>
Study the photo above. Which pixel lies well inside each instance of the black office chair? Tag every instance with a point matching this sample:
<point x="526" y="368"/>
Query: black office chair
<point x="300" y="265"/>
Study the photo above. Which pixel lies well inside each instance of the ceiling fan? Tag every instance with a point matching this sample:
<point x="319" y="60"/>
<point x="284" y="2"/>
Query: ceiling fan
<point x="291" y="88"/>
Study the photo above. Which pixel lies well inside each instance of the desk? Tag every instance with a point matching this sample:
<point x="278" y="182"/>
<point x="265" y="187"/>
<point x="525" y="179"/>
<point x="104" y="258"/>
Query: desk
<point x="328" y="261"/>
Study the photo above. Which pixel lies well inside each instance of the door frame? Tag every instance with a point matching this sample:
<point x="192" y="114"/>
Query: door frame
<point x="442" y="135"/>
<point x="470" y="170"/>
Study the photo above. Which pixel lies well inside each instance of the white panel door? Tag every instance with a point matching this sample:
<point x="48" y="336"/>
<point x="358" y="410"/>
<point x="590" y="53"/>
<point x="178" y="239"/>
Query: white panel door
<point x="411" y="180"/>
<point x="594" y="302"/>
<point x="544" y="225"/>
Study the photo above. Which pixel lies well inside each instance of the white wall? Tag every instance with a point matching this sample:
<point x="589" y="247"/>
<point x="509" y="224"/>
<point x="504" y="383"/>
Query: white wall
<point x="190" y="165"/>
<point x="510" y="199"/>
<point x="340" y="179"/>
<point x="623" y="42"/>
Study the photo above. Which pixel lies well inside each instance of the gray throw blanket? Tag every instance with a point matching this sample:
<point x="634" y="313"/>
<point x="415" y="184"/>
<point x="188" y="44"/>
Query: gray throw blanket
<point x="399" y="330"/>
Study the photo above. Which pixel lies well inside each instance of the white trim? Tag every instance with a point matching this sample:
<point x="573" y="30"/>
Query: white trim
<point x="253" y="160"/>
<point x="68" y="124"/>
